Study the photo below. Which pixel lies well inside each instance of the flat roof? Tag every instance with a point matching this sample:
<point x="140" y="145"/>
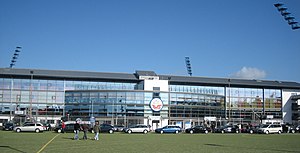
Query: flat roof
<point x="67" y="75"/>
<point x="134" y="78"/>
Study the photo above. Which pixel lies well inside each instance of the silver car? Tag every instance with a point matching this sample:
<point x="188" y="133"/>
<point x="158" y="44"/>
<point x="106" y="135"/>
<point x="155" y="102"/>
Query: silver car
<point x="270" y="128"/>
<point x="137" y="129"/>
<point x="30" y="127"/>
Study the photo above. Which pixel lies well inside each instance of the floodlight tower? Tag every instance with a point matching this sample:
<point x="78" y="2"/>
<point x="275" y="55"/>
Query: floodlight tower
<point x="287" y="16"/>
<point x="188" y="65"/>
<point x="13" y="62"/>
<point x="15" y="57"/>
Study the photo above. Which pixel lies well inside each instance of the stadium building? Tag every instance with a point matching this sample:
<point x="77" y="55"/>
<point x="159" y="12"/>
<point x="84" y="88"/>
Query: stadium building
<point x="143" y="97"/>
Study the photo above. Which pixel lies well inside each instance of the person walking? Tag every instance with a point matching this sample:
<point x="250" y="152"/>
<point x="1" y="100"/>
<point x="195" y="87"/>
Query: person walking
<point x="85" y="129"/>
<point x="76" y="130"/>
<point x="96" y="130"/>
<point x="63" y="126"/>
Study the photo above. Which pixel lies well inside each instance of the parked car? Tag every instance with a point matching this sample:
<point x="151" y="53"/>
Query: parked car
<point x="287" y="128"/>
<point x="296" y="129"/>
<point x="270" y="128"/>
<point x="48" y="126"/>
<point x="254" y="129"/>
<point x="137" y="129"/>
<point x="30" y="127"/>
<point x="8" y="126"/>
<point x="227" y="129"/>
<point x="119" y="128"/>
<point x="168" y="129"/>
<point x="58" y="128"/>
<point x="69" y="128"/>
<point x="198" y="129"/>
<point x="245" y="128"/>
<point x="107" y="128"/>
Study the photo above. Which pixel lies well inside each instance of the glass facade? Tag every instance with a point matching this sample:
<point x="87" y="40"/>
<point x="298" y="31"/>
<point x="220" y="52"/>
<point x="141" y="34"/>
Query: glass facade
<point x="248" y="104"/>
<point x="196" y="101"/>
<point x="128" y="103"/>
<point x="109" y="106"/>
<point x="31" y="98"/>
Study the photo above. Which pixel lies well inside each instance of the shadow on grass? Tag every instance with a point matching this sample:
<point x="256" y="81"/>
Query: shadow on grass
<point x="214" y="145"/>
<point x="71" y="138"/>
<point x="68" y="138"/>
<point x="12" y="149"/>
<point x="279" y="150"/>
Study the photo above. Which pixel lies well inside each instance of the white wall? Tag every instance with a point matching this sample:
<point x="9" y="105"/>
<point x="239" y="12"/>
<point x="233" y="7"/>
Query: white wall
<point x="287" y="105"/>
<point x="163" y="84"/>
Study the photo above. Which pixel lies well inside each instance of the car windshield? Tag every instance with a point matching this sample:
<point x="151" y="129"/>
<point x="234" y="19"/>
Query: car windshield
<point x="264" y="126"/>
<point x="226" y="126"/>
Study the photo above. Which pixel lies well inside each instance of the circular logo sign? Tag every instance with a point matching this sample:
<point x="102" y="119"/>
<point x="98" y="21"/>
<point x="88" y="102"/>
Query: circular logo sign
<point x="156" y="104"/>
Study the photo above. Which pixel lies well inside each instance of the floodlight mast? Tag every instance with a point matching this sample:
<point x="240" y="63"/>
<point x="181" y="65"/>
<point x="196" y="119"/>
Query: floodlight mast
<point x="13" y="62"/>
<point x="188" y="65"/>
<point x="15" y="57"/>
<point x="287" y="16"/>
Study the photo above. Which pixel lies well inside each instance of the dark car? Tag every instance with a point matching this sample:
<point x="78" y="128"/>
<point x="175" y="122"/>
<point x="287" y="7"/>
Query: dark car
<point x="297" y="129"/>
<point x="119" y="128"/>
<point x="227" y="129"/>
<point x="168" y="129"/>
<point x="198" y="129"/>
<point x="69" y="128"/>
<point x="8" y="126"/>
<point x="287" y="128"/>
<point x="107" y="128"/>
<point x="254" y="129"/>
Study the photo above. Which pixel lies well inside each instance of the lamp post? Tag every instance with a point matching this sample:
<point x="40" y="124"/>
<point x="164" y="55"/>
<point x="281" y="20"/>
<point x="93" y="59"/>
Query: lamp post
<point x="229" y="100"/>
<point x="30" y="94"/>
<point x="169" y="99"/>
<point x="112" y="113"/>
<point x="11" y="90"/>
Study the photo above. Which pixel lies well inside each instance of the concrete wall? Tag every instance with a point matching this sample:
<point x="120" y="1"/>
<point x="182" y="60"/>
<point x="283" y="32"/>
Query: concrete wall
<point x="287" y="105"/>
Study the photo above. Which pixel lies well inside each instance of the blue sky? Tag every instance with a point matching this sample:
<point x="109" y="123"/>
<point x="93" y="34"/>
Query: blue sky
<point x="232" y="38"/>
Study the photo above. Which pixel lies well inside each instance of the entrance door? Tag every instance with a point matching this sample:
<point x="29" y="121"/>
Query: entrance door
<point x="155" y="124"/>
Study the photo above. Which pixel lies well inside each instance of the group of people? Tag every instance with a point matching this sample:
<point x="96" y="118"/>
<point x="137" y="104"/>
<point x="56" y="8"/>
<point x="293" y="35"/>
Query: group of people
<point x="84" y="128"/>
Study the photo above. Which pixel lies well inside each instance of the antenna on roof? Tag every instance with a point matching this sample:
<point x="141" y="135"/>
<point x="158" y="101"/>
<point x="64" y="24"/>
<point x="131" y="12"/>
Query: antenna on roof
<point x="188" y="65"/>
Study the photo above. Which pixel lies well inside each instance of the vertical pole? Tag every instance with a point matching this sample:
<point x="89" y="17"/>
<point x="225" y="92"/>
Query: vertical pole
<point x="229" y="100"/>
<point x="112" y="113"/>
<point x="64" y="105"/>
<point x="169" y="100"/>
<point x="11" y="97"/>
<point x="30" y="98"/>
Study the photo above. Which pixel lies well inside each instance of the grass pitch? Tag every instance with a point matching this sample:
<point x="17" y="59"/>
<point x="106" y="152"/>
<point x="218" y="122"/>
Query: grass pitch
<point x="50" y="142"/>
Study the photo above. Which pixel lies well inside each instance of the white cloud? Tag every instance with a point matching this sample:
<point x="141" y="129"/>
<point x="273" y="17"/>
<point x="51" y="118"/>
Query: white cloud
<point x="250" y="73"/>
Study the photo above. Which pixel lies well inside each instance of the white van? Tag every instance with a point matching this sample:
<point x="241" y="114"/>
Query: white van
<point x="270" y="128"/>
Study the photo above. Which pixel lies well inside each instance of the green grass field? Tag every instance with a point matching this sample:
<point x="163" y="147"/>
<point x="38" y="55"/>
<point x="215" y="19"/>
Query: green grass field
<point x="12" y="142"/>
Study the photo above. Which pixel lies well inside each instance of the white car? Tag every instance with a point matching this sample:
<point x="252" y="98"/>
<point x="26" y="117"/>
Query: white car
<point x="30" y="127"/>
<point x="270" y="128"/>
<point x="137" y="129"/>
